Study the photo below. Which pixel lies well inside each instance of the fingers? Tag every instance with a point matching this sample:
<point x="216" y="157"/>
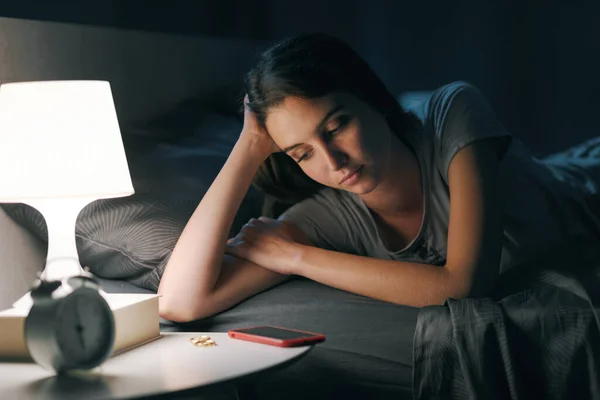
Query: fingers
<point x="246" y="233"/>
<point x="240" y="237"/>
<point x="256" y="227"/>
<point x="237" y="248"/>
<point x="256" y="223"/>
<point x="240" y="246"/>
<point x="250" y="120"/>
<point x="250" y="225"/>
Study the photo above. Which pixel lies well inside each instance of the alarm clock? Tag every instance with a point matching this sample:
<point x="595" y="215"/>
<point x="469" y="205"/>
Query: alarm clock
<point x="70" y="326"/>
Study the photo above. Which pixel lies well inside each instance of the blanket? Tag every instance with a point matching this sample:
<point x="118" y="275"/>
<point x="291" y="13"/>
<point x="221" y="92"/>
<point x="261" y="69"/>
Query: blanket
<point x="536" y="337"/>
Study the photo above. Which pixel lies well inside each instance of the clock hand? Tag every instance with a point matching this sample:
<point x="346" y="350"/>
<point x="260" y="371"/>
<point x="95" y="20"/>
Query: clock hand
<point x="79" y="326"/>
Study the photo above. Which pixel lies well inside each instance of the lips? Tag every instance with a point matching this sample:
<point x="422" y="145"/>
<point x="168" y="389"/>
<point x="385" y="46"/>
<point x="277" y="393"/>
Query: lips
<point x="351" y="175"/>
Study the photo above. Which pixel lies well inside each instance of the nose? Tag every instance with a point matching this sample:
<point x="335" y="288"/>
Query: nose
<point x="335" y="158"/>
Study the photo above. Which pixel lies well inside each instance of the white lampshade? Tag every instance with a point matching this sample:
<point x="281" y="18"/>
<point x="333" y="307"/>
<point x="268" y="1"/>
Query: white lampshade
<point x="60" y="139"/>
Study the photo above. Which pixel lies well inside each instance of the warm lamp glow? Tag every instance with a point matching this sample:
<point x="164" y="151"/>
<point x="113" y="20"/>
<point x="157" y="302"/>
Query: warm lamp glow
<point x="60" y="139"/>
<point x="60" y="149"/>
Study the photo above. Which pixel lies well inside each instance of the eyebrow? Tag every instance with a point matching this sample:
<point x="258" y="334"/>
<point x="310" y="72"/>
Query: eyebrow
<point x="319" y="127"/>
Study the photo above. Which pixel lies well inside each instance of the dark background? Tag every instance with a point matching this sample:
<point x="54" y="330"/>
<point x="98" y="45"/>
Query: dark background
<point x="536" y="61"/>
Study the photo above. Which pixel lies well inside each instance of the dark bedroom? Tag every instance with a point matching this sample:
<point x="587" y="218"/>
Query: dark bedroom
<point x="321" y="199"/>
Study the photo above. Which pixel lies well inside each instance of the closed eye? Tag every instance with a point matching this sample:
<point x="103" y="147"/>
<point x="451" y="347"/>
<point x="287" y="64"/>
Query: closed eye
<point x="342" y="121"/>
<point x="304" y="156"/>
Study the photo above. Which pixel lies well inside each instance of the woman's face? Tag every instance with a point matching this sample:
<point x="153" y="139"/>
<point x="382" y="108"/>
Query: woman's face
<point x="337" y="140"/>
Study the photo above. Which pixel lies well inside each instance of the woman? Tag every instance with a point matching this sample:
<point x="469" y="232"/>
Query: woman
<point x="410" y="206"/>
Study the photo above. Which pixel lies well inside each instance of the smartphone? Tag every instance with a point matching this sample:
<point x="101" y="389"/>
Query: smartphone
<point x="276" y="336"/>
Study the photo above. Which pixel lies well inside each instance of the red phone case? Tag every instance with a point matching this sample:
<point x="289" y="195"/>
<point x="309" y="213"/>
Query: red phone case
<point x="304" y="341"/>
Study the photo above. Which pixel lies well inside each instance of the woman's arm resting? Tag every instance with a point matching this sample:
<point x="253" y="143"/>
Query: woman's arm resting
<point x="198" y="280"/>
<point x="238" y="280"/>
<point x="474" y="245"/>
<point x="194" y="270"/>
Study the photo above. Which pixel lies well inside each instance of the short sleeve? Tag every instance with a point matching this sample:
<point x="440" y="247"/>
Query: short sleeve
<point x="461" y="115"/>
<point x="322" y="219"/>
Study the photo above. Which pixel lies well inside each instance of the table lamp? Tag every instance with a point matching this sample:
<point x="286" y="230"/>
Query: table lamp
<point x="60" y="149"/>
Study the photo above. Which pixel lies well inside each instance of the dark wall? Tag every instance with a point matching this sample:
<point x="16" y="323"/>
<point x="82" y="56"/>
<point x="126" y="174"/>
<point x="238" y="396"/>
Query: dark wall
<point x="226" y="18"/>
<point x="536" y="61"/>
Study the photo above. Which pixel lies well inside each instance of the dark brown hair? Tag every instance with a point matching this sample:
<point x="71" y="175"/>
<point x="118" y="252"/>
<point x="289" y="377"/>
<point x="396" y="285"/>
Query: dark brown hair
<point x="311" y="66"/>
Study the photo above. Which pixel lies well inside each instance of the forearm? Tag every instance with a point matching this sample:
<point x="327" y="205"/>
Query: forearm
<point x="195" y="264"/>
<point x="399" y="282"/>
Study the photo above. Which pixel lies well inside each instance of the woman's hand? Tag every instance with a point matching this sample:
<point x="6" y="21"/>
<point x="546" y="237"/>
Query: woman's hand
<point x="267" y="242"/>
<point x="256" y="135"/>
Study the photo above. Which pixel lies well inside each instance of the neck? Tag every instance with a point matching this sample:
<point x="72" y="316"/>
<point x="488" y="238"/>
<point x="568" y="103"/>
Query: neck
<point x="400" y="190"/>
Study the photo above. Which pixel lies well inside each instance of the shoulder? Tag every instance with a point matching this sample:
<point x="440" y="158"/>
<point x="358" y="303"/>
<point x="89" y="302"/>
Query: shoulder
<point x="448" y="93"/>
<point x="460" y="115"/>
<point x="454" y="100"/>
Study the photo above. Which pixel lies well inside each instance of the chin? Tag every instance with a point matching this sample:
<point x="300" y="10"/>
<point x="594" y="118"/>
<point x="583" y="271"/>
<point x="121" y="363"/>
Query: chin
<point x="362" y="188"/>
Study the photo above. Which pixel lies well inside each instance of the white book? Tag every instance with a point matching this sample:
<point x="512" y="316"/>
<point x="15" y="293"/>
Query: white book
<point x="136" y="322"/>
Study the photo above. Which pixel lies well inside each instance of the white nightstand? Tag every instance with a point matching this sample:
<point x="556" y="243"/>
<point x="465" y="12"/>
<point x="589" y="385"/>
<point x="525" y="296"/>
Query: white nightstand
<point x="168" y="366"/>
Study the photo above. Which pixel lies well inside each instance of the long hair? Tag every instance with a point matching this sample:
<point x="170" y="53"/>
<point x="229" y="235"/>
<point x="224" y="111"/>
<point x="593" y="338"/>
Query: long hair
<point x="311" y="66"/>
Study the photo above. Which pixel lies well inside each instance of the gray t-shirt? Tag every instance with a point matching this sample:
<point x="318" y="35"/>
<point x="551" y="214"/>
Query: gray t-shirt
<point x="545" y="202"/>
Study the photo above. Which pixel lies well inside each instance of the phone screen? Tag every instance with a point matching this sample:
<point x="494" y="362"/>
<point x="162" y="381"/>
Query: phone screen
<point x="275" y="333"/>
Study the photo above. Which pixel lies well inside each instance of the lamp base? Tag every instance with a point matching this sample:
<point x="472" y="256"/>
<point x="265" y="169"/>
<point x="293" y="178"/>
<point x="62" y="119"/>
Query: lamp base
<point x="62" y="260"/>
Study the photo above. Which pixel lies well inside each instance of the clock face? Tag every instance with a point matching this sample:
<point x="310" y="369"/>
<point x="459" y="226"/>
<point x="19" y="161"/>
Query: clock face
<point x="84" y="329"/>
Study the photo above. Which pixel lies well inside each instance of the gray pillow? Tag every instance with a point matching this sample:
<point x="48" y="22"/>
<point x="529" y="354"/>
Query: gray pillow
<point x="131" y="238"/>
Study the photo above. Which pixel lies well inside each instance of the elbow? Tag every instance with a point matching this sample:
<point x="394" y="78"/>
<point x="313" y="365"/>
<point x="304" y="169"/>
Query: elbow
<point x="460" y="287"/>
<point x="175" y="306"/>
<point x="451" y="284"/>
<point x="185" y="310"/>
<point x="174" y="314"/>
<point x="172" y="310"/>
<point x="168" y="308"/>
<point x="455" y="285"/>
<point x="460" y="292"/>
